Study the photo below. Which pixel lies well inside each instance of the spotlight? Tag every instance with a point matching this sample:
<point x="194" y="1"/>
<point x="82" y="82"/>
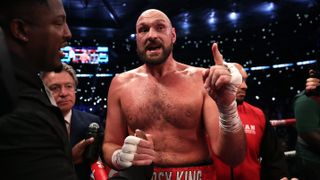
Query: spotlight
<point x="233" y="16"/>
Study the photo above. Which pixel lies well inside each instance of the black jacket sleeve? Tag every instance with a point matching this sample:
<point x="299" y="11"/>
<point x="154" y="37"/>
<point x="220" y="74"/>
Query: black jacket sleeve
<point x="273" y="163"/>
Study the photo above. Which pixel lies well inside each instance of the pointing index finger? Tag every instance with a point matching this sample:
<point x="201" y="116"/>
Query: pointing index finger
<point x="217" y="56"/>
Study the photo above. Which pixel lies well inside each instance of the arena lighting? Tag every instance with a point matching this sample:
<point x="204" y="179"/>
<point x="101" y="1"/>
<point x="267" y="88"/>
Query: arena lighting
<point x="84" y="75"/>
<point x="83" y="28"/>
<point x="132" y="36"/>
<point x="185" y="24"/>
<point x="233" y="16"/>
<point x="266" y="7"/>
<point x="259" y="68"/>
<point x="211" y="19"/>
<point x="300" y="63"/>
<point x="270" y="6"/>
<point x="97" y="75"/>
<point x="282" y="65"/>
<point x="104" y="75"/>
<point x="275" y="66"/>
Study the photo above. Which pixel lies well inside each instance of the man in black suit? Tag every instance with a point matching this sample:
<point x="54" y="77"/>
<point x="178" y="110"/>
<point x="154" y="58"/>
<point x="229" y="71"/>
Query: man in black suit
<point x="8" y="88"/>
<point x="62" y="86"/>
<point x="34" y="143"/>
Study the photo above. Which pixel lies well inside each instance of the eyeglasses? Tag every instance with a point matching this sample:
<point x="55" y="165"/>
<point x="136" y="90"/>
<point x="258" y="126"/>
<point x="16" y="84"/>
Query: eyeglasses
<point x="57" y="88"/>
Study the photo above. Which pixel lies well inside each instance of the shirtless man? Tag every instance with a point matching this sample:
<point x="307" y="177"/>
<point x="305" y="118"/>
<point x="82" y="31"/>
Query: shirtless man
<point x="175" y="104"/>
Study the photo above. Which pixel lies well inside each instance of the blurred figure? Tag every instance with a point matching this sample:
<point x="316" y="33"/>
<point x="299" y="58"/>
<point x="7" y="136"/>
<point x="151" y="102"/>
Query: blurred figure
<point x="264" y="157"/>
<point x="313" y="82"/>
<point x="85" y="57"/>
<point x="178" y="106"/>
<point x="34" y="142"/>
<point x="8" y="89"/>
<point x="307" y="114"/>
<point x="62" y="86"/>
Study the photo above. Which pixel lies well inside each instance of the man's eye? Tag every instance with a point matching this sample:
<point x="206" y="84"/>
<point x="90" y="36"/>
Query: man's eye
<point x="69" y="86"/>
<point x="144" y="29"/>
<point x="54" y="88"/>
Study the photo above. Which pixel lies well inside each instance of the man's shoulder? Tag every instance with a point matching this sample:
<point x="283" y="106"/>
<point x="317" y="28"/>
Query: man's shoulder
<point x="190" y="70"/>
<point x="301" y="97"/>
<point x="125" y="76"/>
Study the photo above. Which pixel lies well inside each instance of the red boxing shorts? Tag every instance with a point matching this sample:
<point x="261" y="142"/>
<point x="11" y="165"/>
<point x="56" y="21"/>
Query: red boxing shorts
<point x="202" y="172"/>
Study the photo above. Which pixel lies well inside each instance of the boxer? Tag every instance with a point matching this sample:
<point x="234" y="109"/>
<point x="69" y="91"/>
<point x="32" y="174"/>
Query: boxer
<point x="178" y="106"/>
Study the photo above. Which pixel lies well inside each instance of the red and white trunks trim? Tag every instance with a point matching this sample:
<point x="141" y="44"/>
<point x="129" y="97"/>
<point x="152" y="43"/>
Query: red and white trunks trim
<point x="205" y="172"/>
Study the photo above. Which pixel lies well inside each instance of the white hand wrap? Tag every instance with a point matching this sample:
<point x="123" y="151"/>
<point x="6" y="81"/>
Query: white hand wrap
<point x="236" y="78"/>
<point x="122" y="158"/>
<point x="229" y="119"/>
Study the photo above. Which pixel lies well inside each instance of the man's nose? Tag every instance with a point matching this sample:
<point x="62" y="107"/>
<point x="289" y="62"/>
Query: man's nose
<point x="67" y="32"/>
<point x="243" y="85"/>
<point x="152" y="34"/>
<point x="63" y="91"/>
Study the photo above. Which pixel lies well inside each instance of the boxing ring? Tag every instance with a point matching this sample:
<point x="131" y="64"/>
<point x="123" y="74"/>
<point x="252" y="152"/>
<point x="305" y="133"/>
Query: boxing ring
<point x="282" y="123"/>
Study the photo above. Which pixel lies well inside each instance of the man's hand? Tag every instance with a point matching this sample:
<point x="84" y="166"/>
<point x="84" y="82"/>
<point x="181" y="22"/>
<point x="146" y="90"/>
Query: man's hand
<point x="78" y="150"/>
<point x="222" y="80"/>
<point x="312" y="84"/>
<point x="135" y="151"/>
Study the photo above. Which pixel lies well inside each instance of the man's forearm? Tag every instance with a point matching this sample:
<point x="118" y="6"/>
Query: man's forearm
<point x="232" y="147"/>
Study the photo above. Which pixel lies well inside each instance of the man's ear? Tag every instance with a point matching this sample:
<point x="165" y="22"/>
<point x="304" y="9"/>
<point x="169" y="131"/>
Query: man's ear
<point x="19" y="29"/>
<point x="174" y="35"/>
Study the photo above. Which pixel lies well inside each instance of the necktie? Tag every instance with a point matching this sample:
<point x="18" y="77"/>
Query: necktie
<point x="68" y="128"/>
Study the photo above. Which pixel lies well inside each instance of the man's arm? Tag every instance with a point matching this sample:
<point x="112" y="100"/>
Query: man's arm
<point x="120" y="149"/>
<point x="116" y="128"/>
<point x="225" y="129"/>
<point x="273" y="164"/>
<point x="312" y="138"/>
<point x="306" y="114"/>
<point x="230" y="147"/>
<point x="34" y="143"/>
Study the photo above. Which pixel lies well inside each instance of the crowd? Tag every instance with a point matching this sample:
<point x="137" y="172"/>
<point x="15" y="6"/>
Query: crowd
<point x="164" y="117"/>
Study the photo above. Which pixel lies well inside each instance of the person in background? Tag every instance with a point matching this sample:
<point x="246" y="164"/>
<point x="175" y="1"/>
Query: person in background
<point x="264" y="157"/>
<point x="307" y="114"/>
<point x="34" y="142"/>
<point x="176" y="105"/>
<point x="62" y="86"/>
<point x="312" y="84"/>
<point x="8" y="89"/>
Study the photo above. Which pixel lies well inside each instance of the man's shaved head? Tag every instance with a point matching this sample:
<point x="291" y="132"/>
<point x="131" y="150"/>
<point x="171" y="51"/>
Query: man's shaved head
<point x="151" y="13"/>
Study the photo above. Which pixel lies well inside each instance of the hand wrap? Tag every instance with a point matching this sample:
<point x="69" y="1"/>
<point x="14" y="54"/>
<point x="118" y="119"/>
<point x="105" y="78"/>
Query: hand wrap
<point x="229" y="119"/>
<point x="236" y="78"/>
<point x="122" y="158"/>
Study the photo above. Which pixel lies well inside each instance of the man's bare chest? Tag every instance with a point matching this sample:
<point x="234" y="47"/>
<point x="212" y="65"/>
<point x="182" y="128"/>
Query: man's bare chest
<point x="152" y="105"/>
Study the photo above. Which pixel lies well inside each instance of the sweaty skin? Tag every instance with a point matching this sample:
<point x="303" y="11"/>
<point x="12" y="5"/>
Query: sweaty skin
<point x="170" y="102"/>
<point x="170" y="110"/>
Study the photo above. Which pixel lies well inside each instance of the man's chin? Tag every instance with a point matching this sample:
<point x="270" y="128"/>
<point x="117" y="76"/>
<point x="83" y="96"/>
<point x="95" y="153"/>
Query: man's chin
<point x="154" y="61"/>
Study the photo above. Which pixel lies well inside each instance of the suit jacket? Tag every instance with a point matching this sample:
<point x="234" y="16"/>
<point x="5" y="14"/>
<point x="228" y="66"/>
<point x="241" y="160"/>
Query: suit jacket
<point x="80" y="122"/>
<point x="8" y="89"/>
<point x="34" y="142"/>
